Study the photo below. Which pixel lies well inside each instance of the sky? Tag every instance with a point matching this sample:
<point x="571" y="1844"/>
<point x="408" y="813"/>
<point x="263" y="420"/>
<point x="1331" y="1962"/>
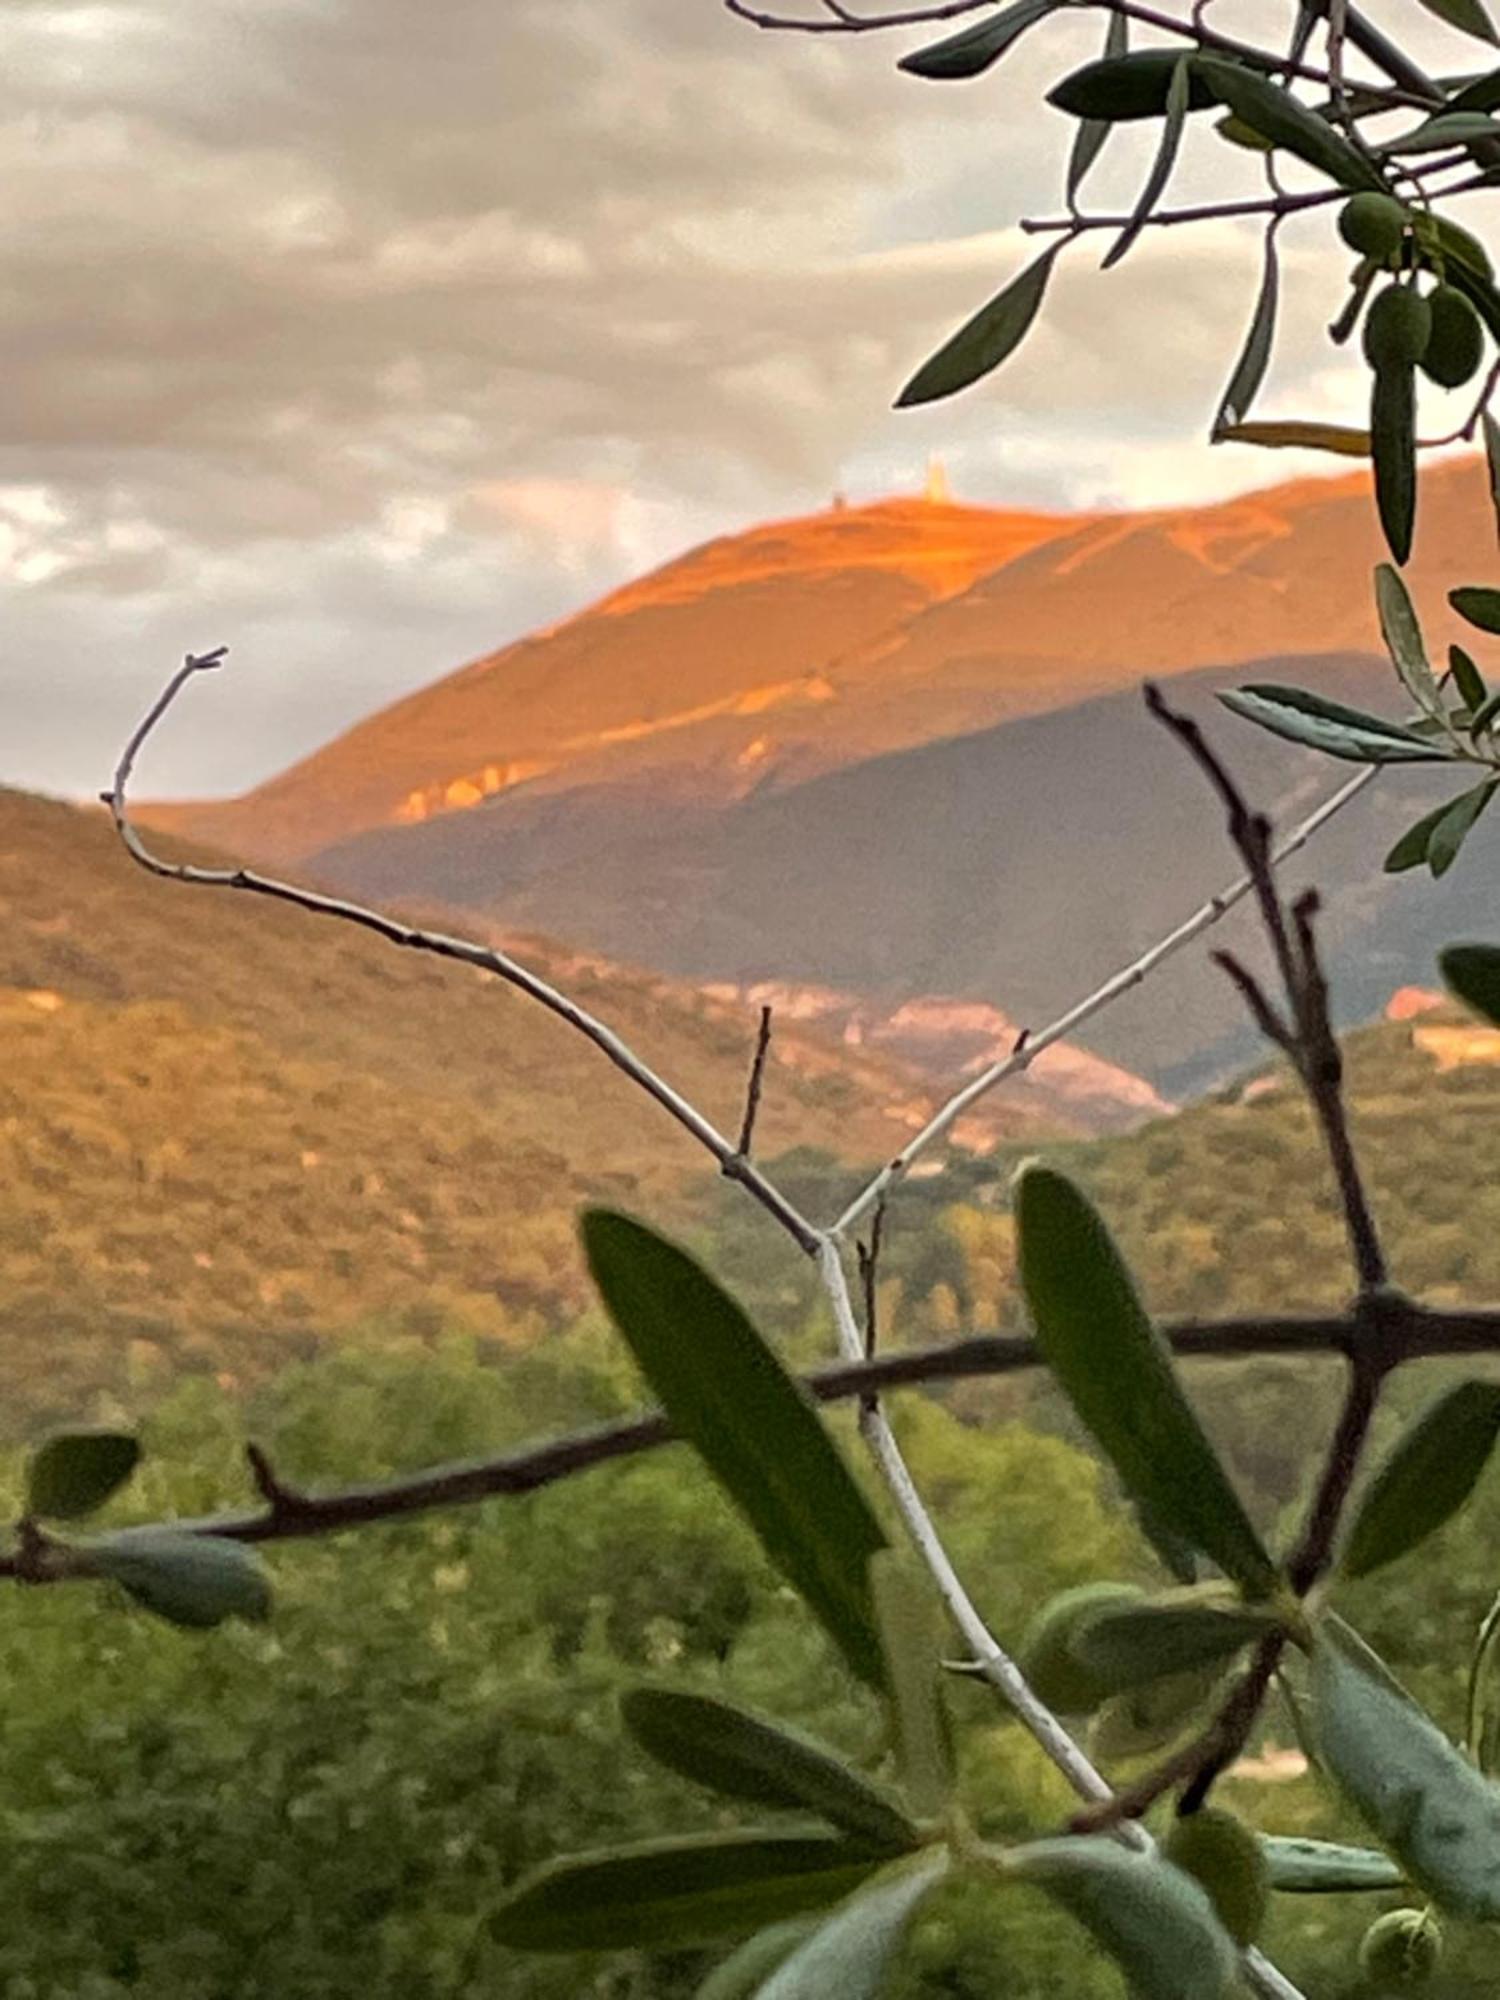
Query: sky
<point x="362" y="338"/>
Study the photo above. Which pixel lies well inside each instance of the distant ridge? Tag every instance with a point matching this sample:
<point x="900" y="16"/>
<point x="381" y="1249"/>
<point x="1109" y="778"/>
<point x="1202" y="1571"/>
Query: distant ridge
<point x="702" y="771"/>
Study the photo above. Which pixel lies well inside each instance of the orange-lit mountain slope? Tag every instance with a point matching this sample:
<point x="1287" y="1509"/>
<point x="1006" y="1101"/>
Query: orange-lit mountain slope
<point x="698" y="675"/>
<point x="769" y="656"/>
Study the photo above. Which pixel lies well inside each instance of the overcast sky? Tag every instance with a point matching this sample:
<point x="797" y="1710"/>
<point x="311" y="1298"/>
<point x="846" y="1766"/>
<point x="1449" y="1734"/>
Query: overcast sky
<point x="363" y="336"/>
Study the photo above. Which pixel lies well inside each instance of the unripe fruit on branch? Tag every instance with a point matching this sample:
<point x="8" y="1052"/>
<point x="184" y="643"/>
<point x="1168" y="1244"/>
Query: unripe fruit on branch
<point x="1455" y="346"/>
<point x="1059" y="1679"/>
<point x="1373" y="224"/>
<point x="1398" y="327"/>
<point x="1400" y="1950"/>
<point x="1225" y="1858"/>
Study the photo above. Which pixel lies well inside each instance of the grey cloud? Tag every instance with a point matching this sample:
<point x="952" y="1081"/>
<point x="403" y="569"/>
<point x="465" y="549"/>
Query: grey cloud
<point x="282" y="279"/>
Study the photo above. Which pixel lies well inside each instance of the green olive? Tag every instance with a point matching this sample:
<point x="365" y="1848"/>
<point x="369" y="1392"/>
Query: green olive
<point x="1398" y="327"/>
<point x="1455" y="347"/>
<point x="1400" y="1951"/>
<point x="1373" y="224"/>
<point x="1224" y="1856"/>
<point x="1057" y="1677"/>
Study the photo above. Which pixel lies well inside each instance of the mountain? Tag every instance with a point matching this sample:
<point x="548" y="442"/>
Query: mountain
<point x="228" y="1128"/>
<point x="898" y="751"/>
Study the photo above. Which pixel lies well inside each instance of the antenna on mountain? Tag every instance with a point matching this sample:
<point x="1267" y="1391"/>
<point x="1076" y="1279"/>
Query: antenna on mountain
<point x="937" y="493"/>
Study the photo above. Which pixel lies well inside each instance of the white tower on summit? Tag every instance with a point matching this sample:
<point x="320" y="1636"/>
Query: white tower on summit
<point x="937" y="493"/>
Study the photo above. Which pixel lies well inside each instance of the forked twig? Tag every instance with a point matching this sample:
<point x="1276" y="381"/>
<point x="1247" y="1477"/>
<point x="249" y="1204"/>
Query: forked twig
<point x="484" y="957"/>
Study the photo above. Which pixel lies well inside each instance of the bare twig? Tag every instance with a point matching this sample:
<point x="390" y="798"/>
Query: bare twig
<point x="869" y="1273"/>
<point x="1166" y="218"/>
<point x="1465" y="432"/>
<point x="757" y="1081"/>
<point x="1305" y="1035"/>
<point x="1257" y="1005"/>
<point x="484" y="957"/>
<point x="840" y="21"/>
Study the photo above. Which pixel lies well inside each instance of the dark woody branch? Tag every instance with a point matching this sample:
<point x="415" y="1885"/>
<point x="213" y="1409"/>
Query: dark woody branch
<point x="291" y="1514"/>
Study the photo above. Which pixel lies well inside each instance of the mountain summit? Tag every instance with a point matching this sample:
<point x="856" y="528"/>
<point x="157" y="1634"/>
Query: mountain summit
<point x="892" y="749"/>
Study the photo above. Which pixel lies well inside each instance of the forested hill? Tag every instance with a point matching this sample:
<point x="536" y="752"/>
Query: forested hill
<point x="230" y="1131"/>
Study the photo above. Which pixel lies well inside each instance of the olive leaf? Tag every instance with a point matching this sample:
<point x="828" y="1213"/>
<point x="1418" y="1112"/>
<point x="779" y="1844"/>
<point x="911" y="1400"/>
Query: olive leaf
<point x="1123" y="88"/>
<point x="1329" y="726"/>
<point x="1324" y="1867"/>
<point x="1429" y="1474"/>
<point x="1468" y="16"/>
<point x="72" y="1474"/>
<point x="1437" y="836"/>
<point x="1435" y="1812"/>
<point x="1435" y="135"/>
<point x="1128" y="1644"/>
<point x="1250" y="369"/>
<point x="911" y="1631"/>
<point x="1118" y="1373"/>
<point x="1455" y="826"/>
<point x="191" y="1580"/>
<point x="743" y="1756"/>
<point x="1283" y="119"/>
<point x="685" y="1890"/>
<point x="1088" y="140"/>
<point x="1478" y="604"/>
<point x="972" y="50"/>
<point x="743" y="1974"/>
<point x="1471" y="972"/>
<point x="750" y="1422"/>
<point x="983" y="342"/>
<point x="847" y="1958"/>
<point x="1404" y="642"/>
<point x="1161" y="167"/>
<point x="1155" y="1921"/>
<point x="1468" y="680"/>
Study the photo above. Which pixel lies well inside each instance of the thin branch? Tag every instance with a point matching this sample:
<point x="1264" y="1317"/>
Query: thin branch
<point x="1198" y="1763"/>
<point x="1315" y="1546"/>
<point x="1323" y="1074"/>
<point x="282" y="1500"/>
<point x="1465" y="432"/>
<point x="993" y="1662"/>
<point x="293" y="1514"/>
<point x="842" y="22"/>
<point x="1257" y="1005"/>
<point x="1411" y="87"/>
<point x="1082" y="1011"/>
<point x="1166" y="218"/>
<point x="483" y="957"/>
<point x="757" y="1081"/>
<point x="869" y="1274"/>
<point x="1309" y="1040"/>
<point x="1376" y="1342"/>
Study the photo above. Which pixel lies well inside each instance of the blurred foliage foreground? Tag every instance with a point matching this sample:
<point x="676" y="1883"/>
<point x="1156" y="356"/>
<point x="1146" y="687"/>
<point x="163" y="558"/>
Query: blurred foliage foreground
<point x="332" y="1803"/>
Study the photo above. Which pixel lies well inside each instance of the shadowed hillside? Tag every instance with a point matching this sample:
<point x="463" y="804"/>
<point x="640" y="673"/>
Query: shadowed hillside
<point x="228" y="1127"/>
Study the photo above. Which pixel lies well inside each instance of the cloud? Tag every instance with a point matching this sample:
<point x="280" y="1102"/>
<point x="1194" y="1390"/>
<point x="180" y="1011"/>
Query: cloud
<point x="365" y="338"/>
